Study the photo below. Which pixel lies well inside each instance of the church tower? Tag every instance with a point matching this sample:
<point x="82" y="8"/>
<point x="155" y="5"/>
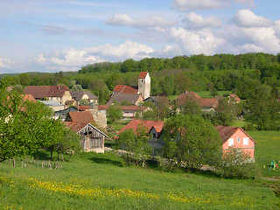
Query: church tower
<point x="144" y="85"/>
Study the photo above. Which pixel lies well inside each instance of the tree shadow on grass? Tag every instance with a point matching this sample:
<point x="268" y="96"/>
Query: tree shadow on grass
<point x="104" y="160"/>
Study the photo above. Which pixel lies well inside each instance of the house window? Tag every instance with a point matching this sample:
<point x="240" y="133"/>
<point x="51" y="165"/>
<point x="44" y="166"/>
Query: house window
<point x="230" y="142"/>
<point x="238" y="139"/>
<point x="245" y="141"/>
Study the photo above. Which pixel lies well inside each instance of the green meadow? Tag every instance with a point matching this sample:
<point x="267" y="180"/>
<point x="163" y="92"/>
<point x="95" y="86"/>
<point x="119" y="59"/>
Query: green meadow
<point x="102" y="181"/>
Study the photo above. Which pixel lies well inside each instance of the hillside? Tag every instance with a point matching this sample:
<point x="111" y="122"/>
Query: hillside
<point x="91" y="181"/>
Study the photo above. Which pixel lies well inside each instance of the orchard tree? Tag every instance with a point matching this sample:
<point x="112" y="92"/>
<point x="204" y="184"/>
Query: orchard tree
<point x="114" y="113"/>
<point x="192" y="140"/>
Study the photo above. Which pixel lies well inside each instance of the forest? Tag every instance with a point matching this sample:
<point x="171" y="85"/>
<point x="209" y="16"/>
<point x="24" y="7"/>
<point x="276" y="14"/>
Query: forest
<point x="240" y="74"/>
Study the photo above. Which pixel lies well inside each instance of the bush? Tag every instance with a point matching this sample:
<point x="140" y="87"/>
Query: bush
<point x="236" y="164"/>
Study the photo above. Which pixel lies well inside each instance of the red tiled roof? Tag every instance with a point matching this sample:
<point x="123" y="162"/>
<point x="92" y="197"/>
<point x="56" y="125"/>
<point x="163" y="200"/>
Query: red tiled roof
<point x="103" y="107"/>
<point x="84" y="108"/>
<point x="208" y="102"/>
<point x="28" y="97"/>
<point x="202" y="102"/>
<point x="227" y="131"/>
<point x="39" y="92"/>
<point x="75" y="126"/>
<point x="81" y="117"/>
<point x="235" y="97"/>
<point x="125" y="89"/>
<point x="142" y="75"/>
<point x="158" y="125"/>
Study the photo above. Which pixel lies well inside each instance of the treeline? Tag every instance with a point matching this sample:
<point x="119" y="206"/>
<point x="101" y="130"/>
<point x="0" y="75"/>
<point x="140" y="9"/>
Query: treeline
<point x="196" y="62"/>
<point x="235" y="73"/>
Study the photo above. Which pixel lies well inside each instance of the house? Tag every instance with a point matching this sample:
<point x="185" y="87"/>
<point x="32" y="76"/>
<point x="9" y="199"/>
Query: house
<point x="54" y="105"/>
<point x="92" y="138"/>
<point x="125" y="99"/>
<point x="128" y="111"/>
<point x="234" y="137"/>
<point x="60" y="94"/>
<point x="153" y="128"/>
<point x="63" y="114"/>
<point x="83" y="96"/>
<point x="206" y="104"/>
<point x="234" y="98"/>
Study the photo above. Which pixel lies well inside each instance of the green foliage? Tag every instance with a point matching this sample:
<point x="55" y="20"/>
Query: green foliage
<point x="263" y="110"/>
<point x="225" y="113"/>
<point x="26" y="127"/>
<point x="193" y="140"/>
<point x="114" y="113"/>
<point x="236" y="164"/>
<point x="136" y="145"/>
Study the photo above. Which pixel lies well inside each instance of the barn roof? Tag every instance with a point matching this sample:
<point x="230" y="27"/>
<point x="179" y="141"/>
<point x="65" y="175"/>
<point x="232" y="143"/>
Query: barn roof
<point x="125" y="89"/>
<point x="81" y="117"/>
<point x="46" y="91"/>
<point x="227" y="131"/>
<point x="76" y="127"/>
<point x="142" y="75"/>
<point x="158" y="125"/>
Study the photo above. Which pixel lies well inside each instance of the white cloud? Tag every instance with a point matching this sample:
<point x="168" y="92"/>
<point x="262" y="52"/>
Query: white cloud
<point x="187" y="5"/>
<point x="246" y="18"/>
<point x="126" y="20"/>
<point x="5" y="62"/>
<point x="198" y="5"/>
<point x="68" y="60"/>
<point x="264" y="38"/>
<point x="193" y="20"/>
<point x="74" y="59"/>
<point x="197" y="42"/>
<point x="123" y="51"/>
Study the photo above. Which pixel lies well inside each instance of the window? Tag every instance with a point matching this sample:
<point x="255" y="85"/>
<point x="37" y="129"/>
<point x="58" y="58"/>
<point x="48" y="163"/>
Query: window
<point x="238" y="139"/>
<point x="230" y="142"/>
<point x="245" y="141"/>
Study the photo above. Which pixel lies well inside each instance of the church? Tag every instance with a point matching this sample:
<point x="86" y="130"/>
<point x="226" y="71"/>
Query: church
<point x="126" y="95"/>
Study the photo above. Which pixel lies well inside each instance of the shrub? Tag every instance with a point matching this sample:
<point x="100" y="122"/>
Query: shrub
<point x="236" y="164"/>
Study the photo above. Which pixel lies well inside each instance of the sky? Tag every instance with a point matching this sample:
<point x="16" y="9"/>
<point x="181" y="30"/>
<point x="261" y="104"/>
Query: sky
<point x="64" y="35"/>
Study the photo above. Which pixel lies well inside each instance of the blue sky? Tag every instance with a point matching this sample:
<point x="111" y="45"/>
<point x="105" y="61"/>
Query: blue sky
<point x="63" y="35"/>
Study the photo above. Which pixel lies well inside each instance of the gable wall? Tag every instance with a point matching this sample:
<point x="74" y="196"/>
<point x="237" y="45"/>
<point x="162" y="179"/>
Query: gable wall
<point x="249" y="149"/>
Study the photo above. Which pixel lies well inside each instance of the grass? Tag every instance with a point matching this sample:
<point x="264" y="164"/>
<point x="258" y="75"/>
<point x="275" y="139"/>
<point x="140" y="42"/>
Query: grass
<point x="118" y="125"/>
<point x="203" y="94"/>
<point x="207" y="94"/>
<point x="101" y="181"/>
<point x="267" y="149"/>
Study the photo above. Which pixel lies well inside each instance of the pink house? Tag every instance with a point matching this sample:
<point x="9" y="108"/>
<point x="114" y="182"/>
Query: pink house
<point x="234" y="137"/>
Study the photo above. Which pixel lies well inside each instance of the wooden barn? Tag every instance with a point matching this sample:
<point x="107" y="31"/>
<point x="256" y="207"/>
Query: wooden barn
<point x="92" y="138"/>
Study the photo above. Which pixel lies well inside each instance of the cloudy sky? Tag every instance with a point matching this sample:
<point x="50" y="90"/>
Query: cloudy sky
<point x="63" y="35"/>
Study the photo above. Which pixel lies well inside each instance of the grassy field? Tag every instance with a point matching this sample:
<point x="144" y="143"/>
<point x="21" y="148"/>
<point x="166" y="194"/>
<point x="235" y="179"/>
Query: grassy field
<point x="102" y="181"/>
<point x="203" y="94"/>
<point x="93" y="181"/>
<point x="267" y="149"/>
<point x="207" y="94"/>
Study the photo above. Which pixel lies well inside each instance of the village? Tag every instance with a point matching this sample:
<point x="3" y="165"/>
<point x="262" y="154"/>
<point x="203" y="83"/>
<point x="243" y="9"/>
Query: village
<point x="80" y="111"/>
